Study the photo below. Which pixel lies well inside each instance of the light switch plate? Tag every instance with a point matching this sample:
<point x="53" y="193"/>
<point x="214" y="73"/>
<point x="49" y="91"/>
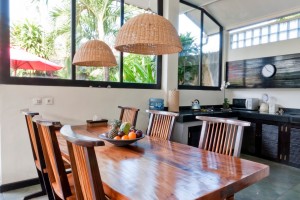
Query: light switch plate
<point x="49" y="100"/>
<point x="37" y="101"/>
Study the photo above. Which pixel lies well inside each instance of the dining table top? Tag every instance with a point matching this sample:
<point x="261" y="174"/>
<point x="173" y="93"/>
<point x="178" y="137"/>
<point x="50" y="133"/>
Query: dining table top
<point x="152" y="168"/>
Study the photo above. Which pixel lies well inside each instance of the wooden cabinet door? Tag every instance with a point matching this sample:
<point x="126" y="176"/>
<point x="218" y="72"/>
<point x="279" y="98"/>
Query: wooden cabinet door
<point x="248" y="145"/>
<point x="294" y="146"/>
<point x="194" y="136"/>
<point x="269" y="141"/>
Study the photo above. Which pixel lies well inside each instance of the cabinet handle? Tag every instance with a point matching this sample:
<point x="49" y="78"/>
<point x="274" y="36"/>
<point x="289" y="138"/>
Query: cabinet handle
<point x="284" y="157"/>
<point x="286" y="129"/>
<point x="280" y="157"/>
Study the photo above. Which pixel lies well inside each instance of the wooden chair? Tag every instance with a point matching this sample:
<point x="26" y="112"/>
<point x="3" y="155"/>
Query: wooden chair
<point x="38" y="157"/>
<point x="128" y="114"/>
<point x="161" y="123"/>
<point x="84" y="163"/>
<point x="62" y="183"/>
<point x="222" y="135"/>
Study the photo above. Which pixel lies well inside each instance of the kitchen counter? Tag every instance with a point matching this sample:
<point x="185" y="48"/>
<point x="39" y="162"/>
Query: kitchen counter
<point x="290" y="115"/>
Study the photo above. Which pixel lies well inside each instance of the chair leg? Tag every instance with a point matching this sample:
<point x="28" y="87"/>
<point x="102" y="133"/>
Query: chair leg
<point x="47" y="186"/>
<point x="230" y="197"/>
<point x="40" y="193"/>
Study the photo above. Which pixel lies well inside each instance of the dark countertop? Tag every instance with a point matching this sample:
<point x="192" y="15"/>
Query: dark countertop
<point x="289" y="115"/>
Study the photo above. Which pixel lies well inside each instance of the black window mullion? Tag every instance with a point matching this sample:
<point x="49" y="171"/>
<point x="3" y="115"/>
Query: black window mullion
<point x="201" y="46"/>
<point x="73" y="37"/>
<point x="122" y="18"/>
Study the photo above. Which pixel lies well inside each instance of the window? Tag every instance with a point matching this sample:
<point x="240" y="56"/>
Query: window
<point x="280" y="29"/>
<point x="200" y="62"/>
<point x="51" y="31"/>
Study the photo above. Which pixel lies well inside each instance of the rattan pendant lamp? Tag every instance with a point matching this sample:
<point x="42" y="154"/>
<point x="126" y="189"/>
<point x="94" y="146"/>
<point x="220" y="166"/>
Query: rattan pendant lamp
<point x="95" y="53"/>
<point x="148" y="34"/>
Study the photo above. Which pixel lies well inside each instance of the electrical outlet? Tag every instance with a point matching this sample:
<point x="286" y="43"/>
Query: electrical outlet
<point x="48" y="100"/>
<point x="37" y="101"/>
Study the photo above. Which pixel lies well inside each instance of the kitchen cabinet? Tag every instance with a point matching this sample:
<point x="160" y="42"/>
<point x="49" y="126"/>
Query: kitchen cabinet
<point x="194" y="133"/>
<point x="272" y="140"/>
<point x="181" y="132"/>
<point x="249" y="135"/>
<point x="294" y="146"/>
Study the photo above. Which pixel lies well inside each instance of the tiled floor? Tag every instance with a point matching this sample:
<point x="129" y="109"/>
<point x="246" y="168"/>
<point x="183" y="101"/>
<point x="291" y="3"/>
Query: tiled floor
<point x="282" y="184"/>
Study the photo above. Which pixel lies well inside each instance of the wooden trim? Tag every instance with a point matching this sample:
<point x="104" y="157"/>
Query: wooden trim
<point x="20" y="184"/>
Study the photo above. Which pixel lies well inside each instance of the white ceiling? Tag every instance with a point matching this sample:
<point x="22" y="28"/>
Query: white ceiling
<point x="237" y="13"/>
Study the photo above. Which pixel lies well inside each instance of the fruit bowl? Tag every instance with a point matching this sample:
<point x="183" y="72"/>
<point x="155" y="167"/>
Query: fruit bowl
<point x="119" y="143"/>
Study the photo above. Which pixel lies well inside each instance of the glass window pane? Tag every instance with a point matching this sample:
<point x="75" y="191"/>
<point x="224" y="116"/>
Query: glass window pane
<point x="293" y="34"/>
<point x="40" y="31"/>
<point x="138" y="68"/>
<point x="265" y="30"/>
<point x="89" y="27"/>
<point x="189" y="57"/>
<point x="249" y="34"/>
<point x="234" y="45"/>
<point x="283" y="35"/>
<point x="293" y="24"/>
<point x="241" y="44"/>
<point x="241" y="36"/>
<point x="273" y="37"/>
<point x="256" y="32"/>
<point x="256" y="41"/>
<point x="248" y="42"/>
<point x="210" y="54"/>
<point x="264" y="39"/>
<point x="234" y="37"/>
<point x="283" y="26"/>
<point x="274" y="28"/>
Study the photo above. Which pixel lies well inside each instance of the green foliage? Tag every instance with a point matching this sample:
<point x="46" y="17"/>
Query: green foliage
<point x="226" y="103"/>
<point x="30" y="37"/>
<point x="188" y="62"/>
<point x="139" y="69"/>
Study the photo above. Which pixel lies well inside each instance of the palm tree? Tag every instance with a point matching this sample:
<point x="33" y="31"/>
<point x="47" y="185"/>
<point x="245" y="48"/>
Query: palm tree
<point x="94" y="19"/>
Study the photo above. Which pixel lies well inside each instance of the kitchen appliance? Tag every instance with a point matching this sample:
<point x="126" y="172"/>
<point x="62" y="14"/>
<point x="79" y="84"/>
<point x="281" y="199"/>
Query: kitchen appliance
<point x="196" y="104"/>
<point x="247" y="103"/>
<point x="264" y="108"/>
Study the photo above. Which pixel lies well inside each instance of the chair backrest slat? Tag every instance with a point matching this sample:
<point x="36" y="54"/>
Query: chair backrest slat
<point x="222" y="135"/>
<point x="84" y="164"/>
<point x="128" y="114"/>
<point x="32" y="130"/>
<point x="53" y="158"/>
<point x="161" y="123"/>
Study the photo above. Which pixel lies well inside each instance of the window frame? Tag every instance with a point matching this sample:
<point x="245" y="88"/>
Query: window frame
<point x="189" y="87"/>
<point x="268" y="25"/>
<point x="5" y="77"/>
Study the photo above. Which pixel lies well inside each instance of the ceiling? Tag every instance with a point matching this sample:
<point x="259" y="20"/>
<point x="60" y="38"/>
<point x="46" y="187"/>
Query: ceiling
<point x="237" y="13"/>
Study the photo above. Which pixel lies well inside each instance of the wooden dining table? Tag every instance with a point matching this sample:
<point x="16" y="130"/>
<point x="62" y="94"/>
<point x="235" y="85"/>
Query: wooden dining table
<point x="152" y="168"/>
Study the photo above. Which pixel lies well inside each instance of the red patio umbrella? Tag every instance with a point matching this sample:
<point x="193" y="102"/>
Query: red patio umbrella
<point x="21" y="59"/>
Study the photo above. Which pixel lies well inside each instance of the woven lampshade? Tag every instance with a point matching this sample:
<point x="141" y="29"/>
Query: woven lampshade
<point x="94" y="53"/>
<point x="148" y="34"/>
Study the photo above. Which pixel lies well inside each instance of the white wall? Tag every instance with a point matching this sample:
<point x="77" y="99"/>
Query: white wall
<point x="288" y="98"/>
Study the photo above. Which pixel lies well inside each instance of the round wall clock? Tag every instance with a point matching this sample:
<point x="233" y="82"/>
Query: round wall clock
<point x="268" y="70"/>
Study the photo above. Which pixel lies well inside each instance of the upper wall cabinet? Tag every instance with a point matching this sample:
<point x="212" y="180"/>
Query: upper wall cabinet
<point x="200" y="62"/>
<point x="269" y="72"/>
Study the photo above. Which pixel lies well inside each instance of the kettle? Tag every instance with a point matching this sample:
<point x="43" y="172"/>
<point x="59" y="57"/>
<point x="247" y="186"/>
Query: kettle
<point x="196" y="104"/>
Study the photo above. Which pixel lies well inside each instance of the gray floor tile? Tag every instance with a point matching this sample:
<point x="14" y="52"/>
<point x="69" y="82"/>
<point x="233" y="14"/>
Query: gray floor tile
<point x="290" y="195"/>
<point x="20" y="193"/>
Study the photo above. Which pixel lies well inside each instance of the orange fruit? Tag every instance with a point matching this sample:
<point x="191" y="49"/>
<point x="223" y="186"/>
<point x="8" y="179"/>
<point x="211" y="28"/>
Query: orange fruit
<point x="132" y="135"/>
<point x="117" y="138"/>
<point x="125" y="137"/>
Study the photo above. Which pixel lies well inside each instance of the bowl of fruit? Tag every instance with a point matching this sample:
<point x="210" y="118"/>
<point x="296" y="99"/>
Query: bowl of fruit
<point x="122" y="134"/>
